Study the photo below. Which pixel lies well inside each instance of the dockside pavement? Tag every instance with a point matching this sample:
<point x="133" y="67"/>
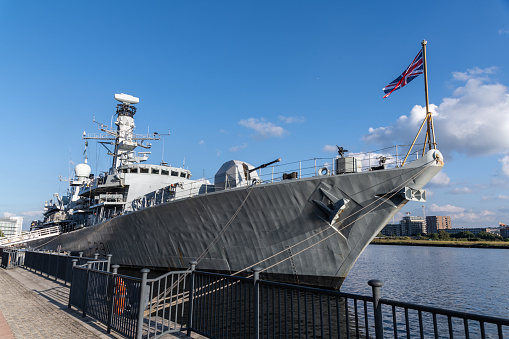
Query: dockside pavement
<point x="34" y="306"/>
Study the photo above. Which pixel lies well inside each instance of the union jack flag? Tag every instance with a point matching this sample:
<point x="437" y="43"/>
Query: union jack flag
<point x="412" y="71"/>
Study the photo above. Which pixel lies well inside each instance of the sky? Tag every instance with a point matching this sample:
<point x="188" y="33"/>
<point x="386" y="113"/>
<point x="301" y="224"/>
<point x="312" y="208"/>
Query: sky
<point x="256" y="81"/>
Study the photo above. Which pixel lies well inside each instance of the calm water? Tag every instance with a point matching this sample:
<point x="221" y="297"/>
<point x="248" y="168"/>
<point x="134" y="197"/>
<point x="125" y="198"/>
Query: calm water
<point x="464" y="279"/>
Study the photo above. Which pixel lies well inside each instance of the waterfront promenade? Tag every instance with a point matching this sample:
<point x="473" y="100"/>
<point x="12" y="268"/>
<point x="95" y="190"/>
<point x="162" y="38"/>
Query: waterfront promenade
<point x="33" y="306"/>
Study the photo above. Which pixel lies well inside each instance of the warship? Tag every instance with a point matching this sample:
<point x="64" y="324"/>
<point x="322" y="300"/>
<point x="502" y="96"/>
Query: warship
<point x="304" y="222"/>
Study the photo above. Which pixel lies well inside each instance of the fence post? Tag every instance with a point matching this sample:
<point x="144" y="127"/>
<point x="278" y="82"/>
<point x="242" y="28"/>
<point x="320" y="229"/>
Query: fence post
<point x="56" y="270"/>
<point x="96" y="255"/>
<point x="191" y="296"/>
<point x="74" y="261"/>
<point x="81" y="254"/>
<point x="111" y="294"/>
<point x="376" y="286"/>
<point x="108" y="256"/>
<point x="86" y="292"/>
<point x="256" y="280"/>
<point x="141" y="305"/>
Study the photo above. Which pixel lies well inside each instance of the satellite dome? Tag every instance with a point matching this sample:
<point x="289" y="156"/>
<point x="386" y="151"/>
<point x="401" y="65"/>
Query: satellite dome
<point x="82" y="170"/>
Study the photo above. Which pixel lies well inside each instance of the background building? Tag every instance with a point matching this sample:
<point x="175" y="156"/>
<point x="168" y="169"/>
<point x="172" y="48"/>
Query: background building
<point x="408" y="226"/>
<point x="11" y="225"/>
<point x="504" y="232"/>
<point x="434" y="223"/>
<point x="411" y="225"/>
<point x="392" y="230"/>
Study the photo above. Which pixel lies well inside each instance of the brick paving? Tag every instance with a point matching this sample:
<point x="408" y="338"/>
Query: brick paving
<point x="34" y="306"/>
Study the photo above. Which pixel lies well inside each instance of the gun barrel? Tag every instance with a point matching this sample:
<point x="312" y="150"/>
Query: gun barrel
<point x="264" y="165"/>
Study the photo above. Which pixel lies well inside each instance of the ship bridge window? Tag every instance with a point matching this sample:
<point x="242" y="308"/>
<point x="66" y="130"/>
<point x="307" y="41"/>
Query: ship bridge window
<point x="165" y="172"/>
<point x="174" y="173"/>
<point x="134" y="170"/>
<point x="182" y="175"/>
<point x="188" y="175"/>
<point x="143" y="170"/>
<point x="155" y="171"/>
<point x="123" y="170"/>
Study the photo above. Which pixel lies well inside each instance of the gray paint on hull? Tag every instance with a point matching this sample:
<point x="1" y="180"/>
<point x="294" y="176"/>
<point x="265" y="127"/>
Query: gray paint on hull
<point x="274" y="217"/>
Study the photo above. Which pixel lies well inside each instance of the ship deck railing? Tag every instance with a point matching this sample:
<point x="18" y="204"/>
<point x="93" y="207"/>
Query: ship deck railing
<point x="392" y="157"/>
<point x="220" y="306"/>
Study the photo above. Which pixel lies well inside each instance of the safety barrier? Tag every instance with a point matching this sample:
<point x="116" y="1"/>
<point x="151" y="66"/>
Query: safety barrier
<point x="12" y="257"/>
<point x="111" y="298"/>
<point x="223" y="306"/>
<point x="59" y="265"/>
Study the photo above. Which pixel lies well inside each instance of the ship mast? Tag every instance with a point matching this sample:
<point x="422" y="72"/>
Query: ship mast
<point x="123" y="139"/>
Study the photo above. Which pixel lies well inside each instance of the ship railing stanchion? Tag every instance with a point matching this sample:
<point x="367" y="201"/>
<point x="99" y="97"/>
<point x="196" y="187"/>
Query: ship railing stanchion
<point x="141" y="304"/>
<point x="377" y="286"/>
<point x="108" y="265"/>
<point x="193" y="264"/>
<point x="256" y="287"/>
<point x="111" y="294"/>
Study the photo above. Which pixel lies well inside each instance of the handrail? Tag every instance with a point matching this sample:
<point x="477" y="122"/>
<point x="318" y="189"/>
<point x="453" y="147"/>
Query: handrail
<point x="37" y="234"/>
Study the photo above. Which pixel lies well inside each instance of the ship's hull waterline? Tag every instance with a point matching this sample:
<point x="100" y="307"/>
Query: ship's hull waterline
<point x="273" y="218"/>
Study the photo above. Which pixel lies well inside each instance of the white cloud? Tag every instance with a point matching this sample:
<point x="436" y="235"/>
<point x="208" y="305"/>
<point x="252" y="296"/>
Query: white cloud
<point x="499" y="197"/>
<point x="201" y="142"/>
<point x="441" y="179"/>
<point x="473" y="121"/>
<point x="292" y="120"/>
<point x="8" y="215"/>
<point x="236" y="148"/>
<point x="503" y="31"/>
<point x="330" y="148"/>
<point x="461" y="216"/>
<point x="262" y="128"/>
<point x="445" y="208"/>
<point x="31" y="213"/>
<point x="505" y="165"/>
<point x="461" y="190"/>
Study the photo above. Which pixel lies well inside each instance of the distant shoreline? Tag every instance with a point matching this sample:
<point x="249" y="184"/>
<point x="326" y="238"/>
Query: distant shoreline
<point x="441" y="243"/>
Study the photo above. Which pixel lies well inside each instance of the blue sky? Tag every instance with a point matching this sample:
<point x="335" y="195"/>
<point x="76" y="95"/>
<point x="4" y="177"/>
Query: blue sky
<point x="255" y="81"/>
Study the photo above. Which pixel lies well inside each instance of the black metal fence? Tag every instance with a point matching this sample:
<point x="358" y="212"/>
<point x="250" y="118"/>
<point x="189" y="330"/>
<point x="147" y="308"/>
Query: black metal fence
<point x="111" y="298"/>
<point x="59" y="265"/>
<point x="11" y="257"/>
<point x="232" y="307"/>
<point x="222" y="306"/>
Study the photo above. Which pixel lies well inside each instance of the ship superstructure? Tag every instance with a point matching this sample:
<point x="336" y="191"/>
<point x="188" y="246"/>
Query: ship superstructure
<point x="304" y="222"/>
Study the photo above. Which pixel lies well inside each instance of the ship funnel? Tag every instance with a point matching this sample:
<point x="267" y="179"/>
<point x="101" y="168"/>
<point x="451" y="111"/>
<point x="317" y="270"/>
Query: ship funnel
<point x="127" y="99"/>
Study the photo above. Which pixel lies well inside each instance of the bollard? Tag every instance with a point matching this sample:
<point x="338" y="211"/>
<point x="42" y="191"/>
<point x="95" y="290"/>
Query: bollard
<point x="256" y="279"/>
<point x="108" y="256"/>
<point x="111" y="292"/>
<point x="377" y="285"/>
<point x="74" y="261"/>
<point x="81" y="254"/>
<point x="96" y="255"/>
<point x="193" y="264"/>
<point x="141" y="306"/>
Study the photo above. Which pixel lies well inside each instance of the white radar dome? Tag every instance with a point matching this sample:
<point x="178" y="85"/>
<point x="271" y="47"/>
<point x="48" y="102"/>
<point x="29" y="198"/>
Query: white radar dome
<point x="82" y="170"/>
<point x="126" y="98"/>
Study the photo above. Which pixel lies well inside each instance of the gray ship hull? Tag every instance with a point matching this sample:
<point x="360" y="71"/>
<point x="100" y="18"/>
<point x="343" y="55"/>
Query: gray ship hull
<point x="310" y="231"/>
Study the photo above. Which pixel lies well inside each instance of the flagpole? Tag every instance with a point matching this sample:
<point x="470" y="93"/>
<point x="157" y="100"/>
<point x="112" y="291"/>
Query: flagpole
<point x="430" y="132"/>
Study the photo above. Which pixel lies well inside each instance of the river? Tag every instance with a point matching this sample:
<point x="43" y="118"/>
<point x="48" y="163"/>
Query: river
<point x="472" y="280"/>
